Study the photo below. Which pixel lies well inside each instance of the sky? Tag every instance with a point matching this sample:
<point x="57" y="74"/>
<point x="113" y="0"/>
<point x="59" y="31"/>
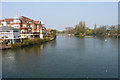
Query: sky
<point x="58" y="15"/>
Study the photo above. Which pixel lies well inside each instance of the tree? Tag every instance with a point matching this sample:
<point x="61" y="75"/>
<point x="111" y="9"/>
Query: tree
<point x="53" y="31"/>
<point x="113" y="30"/>
<point x="80" y="28"/>
<point x="101" y="31"/>
<point x="94" y="31"/>
<point x="89" y="32"/>
<point x="118" y="29"/>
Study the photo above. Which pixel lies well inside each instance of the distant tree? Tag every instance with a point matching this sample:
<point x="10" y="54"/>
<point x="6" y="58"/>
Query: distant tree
<point x="94" y="31"/>
<point x="101" y="31"/>
<point x="113" y="30"/>
<point x="80" y="28"/>
<point x="53" y="31"/>
<point x="89" y="32"/>
<point x="118" y="28"/>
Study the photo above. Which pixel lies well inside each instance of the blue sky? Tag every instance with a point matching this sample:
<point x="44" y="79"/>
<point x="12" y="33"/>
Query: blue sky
<point x="58" y="15"/>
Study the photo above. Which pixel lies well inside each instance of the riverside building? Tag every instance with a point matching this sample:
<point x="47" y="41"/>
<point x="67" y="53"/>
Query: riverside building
<point x="28" y="28"/>
<point x="9" y="34"/>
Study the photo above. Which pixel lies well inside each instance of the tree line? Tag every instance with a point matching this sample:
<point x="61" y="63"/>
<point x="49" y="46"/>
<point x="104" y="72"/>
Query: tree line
<point x="102" y="31"/>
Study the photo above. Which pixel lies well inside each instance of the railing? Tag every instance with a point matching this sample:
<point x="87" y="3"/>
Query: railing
<point x="30" y="33"/>
<point x="25" y="28"/>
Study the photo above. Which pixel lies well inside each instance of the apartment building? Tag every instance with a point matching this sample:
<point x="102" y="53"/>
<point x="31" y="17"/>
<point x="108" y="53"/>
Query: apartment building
<point x="9" y="34"/>
<point x="28" y="27"/>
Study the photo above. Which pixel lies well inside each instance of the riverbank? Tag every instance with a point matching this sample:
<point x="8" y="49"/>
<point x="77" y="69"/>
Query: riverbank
<point x="89" y="36"/>
<point x="4" y="47"/>
<point x="26" y="43"/>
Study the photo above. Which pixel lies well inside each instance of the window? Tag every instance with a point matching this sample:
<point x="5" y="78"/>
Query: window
<point x="15" y="31"/>
<point x="7" y="31"/>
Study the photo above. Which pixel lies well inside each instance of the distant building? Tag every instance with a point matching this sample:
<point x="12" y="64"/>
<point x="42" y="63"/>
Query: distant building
<point x="28" y="27"/>
<point x="9" y="34"/>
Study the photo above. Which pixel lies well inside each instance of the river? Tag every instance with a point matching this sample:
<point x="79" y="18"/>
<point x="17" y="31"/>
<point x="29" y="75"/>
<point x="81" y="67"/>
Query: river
<point x="65" y="57"/>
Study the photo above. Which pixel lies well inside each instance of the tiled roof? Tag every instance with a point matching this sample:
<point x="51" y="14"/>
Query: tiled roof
<point x="8" y="20"/>
<point x="0" y="21"/>
<point x="25" y="20"/>
<point x="37" y="22"/>
<point x="48" y="30"/>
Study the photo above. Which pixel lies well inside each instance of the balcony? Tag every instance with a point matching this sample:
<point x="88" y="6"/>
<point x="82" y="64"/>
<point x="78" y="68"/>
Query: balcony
<point x="30" y="33"/>
<point x="26" y="28"/>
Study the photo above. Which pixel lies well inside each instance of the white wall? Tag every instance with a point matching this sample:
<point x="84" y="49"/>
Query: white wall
<point x="16" y="26"/>
<point x="41" y="36"/>
<point x="16" y="21"/>
<point x="9" y="35"/>
<point x="4" y="23"/>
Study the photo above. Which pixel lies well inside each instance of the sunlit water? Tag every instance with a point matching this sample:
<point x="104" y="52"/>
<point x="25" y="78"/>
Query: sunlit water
<point x="66" y="57"/>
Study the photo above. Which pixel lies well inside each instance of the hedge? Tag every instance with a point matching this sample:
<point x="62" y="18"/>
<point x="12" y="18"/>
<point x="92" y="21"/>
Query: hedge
<point x="30" y="42"/>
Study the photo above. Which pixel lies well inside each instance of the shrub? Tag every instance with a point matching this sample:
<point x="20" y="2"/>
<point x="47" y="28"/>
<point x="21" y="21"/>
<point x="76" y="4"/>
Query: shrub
<point x="27" y="42"/>
<point x="45" y="40"/>
<point x="30" y="42"/>
<point x="38" y="40"/>
<point x="16" y="45"/>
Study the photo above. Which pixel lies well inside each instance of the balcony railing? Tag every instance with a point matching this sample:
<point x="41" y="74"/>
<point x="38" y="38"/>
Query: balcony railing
<point x="26" y="28"/>
<point x="30" y="33"/>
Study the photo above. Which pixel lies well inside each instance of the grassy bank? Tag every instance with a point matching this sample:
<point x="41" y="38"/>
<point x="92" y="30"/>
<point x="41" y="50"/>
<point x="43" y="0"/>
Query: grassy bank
<point x="29" y="42"/>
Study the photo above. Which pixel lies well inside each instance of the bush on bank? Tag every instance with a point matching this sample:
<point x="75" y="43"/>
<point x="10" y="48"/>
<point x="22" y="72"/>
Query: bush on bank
<point x="29" y="42"/>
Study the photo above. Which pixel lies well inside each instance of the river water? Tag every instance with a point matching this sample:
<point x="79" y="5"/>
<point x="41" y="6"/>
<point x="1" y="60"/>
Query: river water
<point x="66" y="57"/>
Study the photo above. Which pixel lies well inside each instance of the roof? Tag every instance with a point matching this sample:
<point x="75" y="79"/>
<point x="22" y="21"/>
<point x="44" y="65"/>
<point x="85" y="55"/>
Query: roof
<point x="8" y="20"/>
<point x="7" y="28"/>
<point x="0" y="21"/>
<point x="37" y="22"/>
<point x="25" y="20"/>
<point x="48" y="30"/>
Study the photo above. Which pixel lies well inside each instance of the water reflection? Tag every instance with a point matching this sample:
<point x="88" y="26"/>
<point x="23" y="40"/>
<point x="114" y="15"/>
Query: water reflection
<point x="31" y="50"/>
<point x="66" y="57"/>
